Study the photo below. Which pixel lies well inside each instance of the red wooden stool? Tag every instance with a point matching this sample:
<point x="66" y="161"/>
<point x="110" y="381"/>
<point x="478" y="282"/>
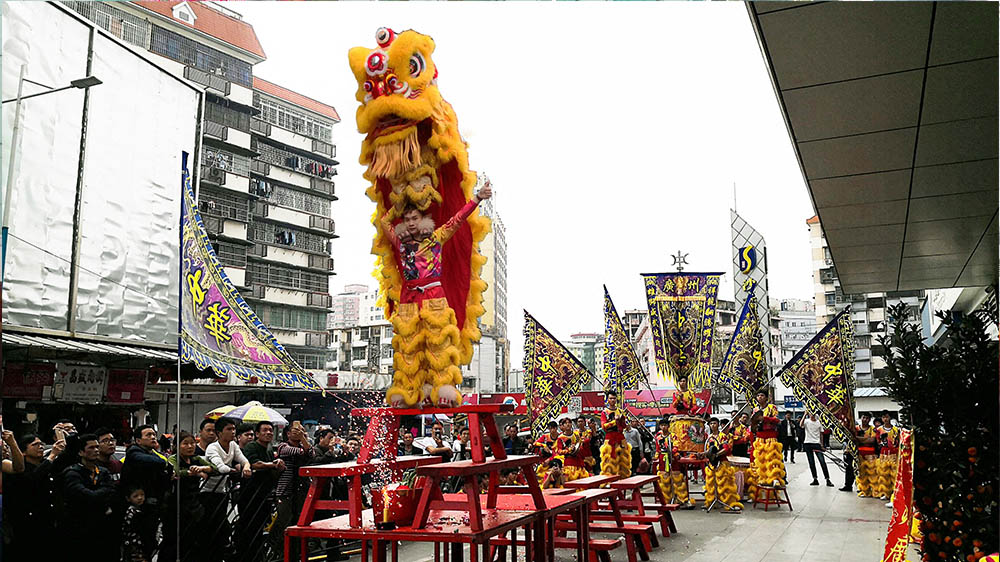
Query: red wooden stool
<point x="771" y="497"/>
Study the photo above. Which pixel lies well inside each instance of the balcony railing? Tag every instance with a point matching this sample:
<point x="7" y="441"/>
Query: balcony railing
<point x="213" y="175"/>
<point x="324" y="148"/>
<point x="211" y="81"/>
<point x="322" y="223"/>
<point x="321" y="262"/>
<point x="216" y="130"/>
<point x="319" y="299"/>
<point x="322" y="186"/>
<point x="260" y="127"/>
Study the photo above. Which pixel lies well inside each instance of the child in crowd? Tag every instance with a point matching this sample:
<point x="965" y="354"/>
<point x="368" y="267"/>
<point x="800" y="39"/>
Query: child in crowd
<point x="132" y="545"/>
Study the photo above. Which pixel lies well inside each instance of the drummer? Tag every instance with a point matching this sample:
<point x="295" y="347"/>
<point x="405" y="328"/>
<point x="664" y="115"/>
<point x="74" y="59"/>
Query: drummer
<point x="740" y="434"/>
<point x="684" y="399"/>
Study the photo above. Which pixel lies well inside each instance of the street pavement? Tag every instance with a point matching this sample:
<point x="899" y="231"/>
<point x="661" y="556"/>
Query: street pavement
<point x="827" y="525"/>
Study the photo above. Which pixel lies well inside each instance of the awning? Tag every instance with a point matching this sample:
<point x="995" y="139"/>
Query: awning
<point x="52" y="343"/>
<point x="892" y="109"/>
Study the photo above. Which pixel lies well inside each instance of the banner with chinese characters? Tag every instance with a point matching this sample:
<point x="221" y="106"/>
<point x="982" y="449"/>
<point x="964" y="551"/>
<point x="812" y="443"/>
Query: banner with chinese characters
<point x="219" y="330"/>
<point x="750" y="275"/>
<point x="744" y="368"/>
<point x="556" y="374"/>
<point x="821" y="375"/>
<point x="622" y="368"/>
<point x="682" y="317"/>
<point x="901" y="524"/>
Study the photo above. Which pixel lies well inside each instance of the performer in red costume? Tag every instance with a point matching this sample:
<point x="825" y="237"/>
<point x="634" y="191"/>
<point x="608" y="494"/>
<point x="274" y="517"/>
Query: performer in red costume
<point x="684" y="400"/>
<point x="566" y="449"/>
<point x="767" y="466"/>
<point x="427" y="358"/>
<point x="616" y="454"/>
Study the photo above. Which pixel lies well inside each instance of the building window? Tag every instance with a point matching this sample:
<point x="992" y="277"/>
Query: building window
<point x="202" y="57"/>
<point x="227" y="116"/>
<point x="225" y="160"/>
<point x="278" y="156"/>
<point x="287" y="278"/>
<point x="288" y="318"/>
<point x="122" y="25"/>
<point x="358" y="354"/>
<point x="876" y="302"/>
<point x="282" y="235"/>
<point x="287" y="117"/>
<point x="232" y="255"/>
<point x="310" y="360"/>
<point x="225" y="204"/>
<point x="291" y="198"/>
<point x="831" y="299"/>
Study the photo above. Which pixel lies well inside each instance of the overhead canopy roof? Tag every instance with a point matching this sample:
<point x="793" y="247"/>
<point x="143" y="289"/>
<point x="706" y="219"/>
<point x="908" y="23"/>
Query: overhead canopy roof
<point x="892" y="110"/>
<point x="84" y="347"/>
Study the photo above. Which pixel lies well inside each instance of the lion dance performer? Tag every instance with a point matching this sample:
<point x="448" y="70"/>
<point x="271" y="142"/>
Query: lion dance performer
<point x="720" y="476"/>
<point x="888" y="460"/>
<point x="867" y="460"/>
<point x="545" y="446"/>
<point x="684" y="400"/>
<point x="583" y="451"/>
<point x="766" y="465"/>
<point x="616" y="453"/>
<point x="419" y="173"/>
<point x="673" y="483"/>
<point x="567" y="449"/>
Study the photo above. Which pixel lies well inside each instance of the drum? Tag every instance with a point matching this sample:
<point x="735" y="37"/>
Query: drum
<point x="739" y="462"/>
<point x="688" y="434"/>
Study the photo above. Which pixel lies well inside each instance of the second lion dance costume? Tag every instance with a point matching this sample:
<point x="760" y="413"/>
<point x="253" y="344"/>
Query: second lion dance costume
<point x="616" y="453"/>
<point x="720" y="476"/>
<point x="888" y="462"/>
<point x="766" y="465"/>
<point x="416" y="158"/>
<point x="673" y="483"/>
<point x="867" y="477"/>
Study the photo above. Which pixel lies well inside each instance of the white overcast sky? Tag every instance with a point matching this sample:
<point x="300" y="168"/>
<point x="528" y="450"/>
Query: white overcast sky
<point x="612" y="132"/>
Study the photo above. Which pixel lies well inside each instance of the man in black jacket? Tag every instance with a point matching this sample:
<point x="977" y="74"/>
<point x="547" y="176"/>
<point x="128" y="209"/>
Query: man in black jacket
<point x="145" y="468"/>
<point x="513" y="444"/>
<point x="787" y="432"/>
<point x="89" y="494"/>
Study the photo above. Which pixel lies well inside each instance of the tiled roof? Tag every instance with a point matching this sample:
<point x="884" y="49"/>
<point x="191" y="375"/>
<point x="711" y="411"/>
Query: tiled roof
<point x="813" y="220"/>
<point x="295" y="97"/>
<point x="233" y="31"/>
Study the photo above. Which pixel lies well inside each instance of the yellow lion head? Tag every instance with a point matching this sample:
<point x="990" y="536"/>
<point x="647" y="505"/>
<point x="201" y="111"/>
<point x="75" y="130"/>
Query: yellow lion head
<point x="397" y="83"/>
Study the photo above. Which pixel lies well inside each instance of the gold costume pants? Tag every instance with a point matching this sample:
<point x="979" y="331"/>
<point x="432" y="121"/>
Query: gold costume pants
<point x="767" y="466"/>
<point x="425" y="343"/>
<point x="721" y="480"/>
<point x="617" y="460"/>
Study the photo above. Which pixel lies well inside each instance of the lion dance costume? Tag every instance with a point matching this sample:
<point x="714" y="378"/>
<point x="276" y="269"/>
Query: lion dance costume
<point x="888" y="462"/>
<point x="867" y="463"/>
<point x="721" y="478"/>
<point x="766" y="467"/>
<point x="616" y="453"/>
<point x="673" y="483"/>
<point x="416" y="157"/>
<point x="567" y="450"/>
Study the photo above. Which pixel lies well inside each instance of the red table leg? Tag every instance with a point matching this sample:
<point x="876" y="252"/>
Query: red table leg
<point x="423" y="506"/>
<point x="491" y="491"/>
<point x="354" y="501"/>
<point x="309" y="507"/>
<point x="496" y="442"/>
<point x="475" y="512"/>
<point x="476" y="438"/>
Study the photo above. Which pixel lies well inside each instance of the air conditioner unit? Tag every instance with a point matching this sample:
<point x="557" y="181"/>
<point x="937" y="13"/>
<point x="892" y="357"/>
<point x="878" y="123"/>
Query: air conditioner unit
<point x="216" y="175"/>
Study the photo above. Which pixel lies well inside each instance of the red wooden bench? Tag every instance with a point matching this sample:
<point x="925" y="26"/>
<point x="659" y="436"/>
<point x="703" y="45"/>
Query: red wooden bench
<point x="599" y="549"/>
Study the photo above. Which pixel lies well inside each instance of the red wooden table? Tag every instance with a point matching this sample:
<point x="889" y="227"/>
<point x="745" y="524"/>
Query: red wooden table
<point x="322" y="473"/>
<point x="444" y="527"/>
<point x="432" y="498"/>
<point x="595" y="481"/>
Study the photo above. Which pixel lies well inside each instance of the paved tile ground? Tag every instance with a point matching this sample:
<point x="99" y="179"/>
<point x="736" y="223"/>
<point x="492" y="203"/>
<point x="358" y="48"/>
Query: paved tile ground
<point x="827" y="525"/>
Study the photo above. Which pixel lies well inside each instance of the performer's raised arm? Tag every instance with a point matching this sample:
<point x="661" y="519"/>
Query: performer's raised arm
<point x="448" y="229"/>
<point x="387" y="228"/>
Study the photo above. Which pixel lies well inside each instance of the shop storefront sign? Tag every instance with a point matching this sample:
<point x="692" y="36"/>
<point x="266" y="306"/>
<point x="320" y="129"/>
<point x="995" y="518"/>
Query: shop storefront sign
<point x="27" y="380"/>
<point x="126" y="386"/>
<point x="77" y="382"/>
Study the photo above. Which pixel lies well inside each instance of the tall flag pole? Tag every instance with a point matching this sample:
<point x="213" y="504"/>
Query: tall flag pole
<point x="556" y="374"/>
<point x="218" y="329"/>
<point x="744" y="368"/>
<point x="622" y="369"/>
<point x="682" y="310"/>
<point x="821" y="375"/>
<point x="750" y="276"/>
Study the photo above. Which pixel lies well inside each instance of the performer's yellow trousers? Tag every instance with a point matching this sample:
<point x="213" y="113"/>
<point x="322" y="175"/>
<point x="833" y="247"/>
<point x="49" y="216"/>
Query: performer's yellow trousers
<point x="886" y="466"/>
<point x="426" y="355"/>
<point x="767" y="467"/>
<point x="867" y="476"/>
<point x="722" y="479"/>
<point x="616" y="461"/>
<point x="674" y="485"/>
<point x="575" y="472"/>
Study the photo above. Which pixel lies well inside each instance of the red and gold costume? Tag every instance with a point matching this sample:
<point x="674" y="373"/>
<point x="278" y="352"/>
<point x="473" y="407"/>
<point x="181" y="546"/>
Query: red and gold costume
<point x="415" y="156"/>
<point x="544" y="446"/>
<point x="567" y="449"/>
<point x="616" y="453"/>
<point x="721" y="479"/>
<point x="766" y="465"/>
<point x="673" y="483"/>
<point x="685" y="403"/>
<point x="583" y="451"/>
<point x="867" y="462"/>
<point x="741" y="438"/>
<point x="888" y="461"/>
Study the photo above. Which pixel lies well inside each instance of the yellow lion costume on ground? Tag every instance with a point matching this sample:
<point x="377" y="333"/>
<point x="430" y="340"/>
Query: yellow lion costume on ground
<point x="418" y="161"/>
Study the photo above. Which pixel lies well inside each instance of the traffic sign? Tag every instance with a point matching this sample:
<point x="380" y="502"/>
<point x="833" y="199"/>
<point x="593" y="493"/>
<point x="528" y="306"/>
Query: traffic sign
<point x="791" y="402"/>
